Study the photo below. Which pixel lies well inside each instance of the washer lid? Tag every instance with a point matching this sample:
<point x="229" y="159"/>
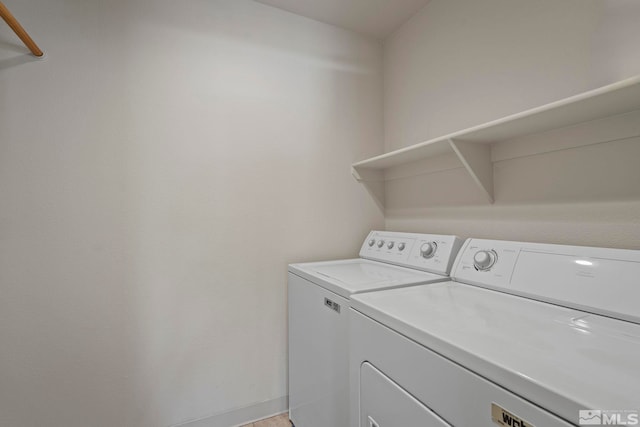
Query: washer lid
<point x="351" y="276"/>
<point x="559" y="358"/>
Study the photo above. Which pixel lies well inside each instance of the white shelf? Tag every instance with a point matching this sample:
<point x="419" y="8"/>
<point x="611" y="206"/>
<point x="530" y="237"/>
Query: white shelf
<point x="473" y="146"/>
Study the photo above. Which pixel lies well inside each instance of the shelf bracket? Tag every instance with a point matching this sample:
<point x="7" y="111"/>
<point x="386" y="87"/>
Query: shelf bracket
<point x="476" y="159"/>
<point x="367" y="175"/>
<point x="373" y="180"/>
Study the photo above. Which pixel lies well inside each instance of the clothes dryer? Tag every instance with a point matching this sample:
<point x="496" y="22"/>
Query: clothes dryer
<point x="524" y="335"/>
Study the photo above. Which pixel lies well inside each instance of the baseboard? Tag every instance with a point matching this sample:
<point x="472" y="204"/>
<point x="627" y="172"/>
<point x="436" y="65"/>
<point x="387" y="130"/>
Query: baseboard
<point x="242" y="416"/>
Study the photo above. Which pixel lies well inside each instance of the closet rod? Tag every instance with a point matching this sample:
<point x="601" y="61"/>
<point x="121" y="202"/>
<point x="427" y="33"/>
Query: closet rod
<point x="19" y="30"/>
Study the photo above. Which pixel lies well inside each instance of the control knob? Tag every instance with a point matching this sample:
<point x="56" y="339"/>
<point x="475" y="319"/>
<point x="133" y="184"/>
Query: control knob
<point x="390" y="245"/>
<point x="484" y="260"/>
<point x="428" y="250"/>
<point x="380" y="243"/>
<point x="401" y="246"/>
<point x="372" y="242"/>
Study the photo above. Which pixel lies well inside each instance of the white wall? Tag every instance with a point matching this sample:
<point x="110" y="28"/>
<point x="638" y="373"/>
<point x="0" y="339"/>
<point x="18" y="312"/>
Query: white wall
<point x="460" y="63"/>
<point x="157" y="173"/>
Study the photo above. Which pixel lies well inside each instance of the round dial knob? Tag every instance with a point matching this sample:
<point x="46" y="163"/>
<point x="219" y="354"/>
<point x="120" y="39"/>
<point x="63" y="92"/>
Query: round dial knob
<point x="428" y="250"/>
<point x="401" y="246"/>
<point x="390" y="245"/>
<point x="372" y="242"/>
<point x="380" y="243"/>
<point x="484" y="260"/>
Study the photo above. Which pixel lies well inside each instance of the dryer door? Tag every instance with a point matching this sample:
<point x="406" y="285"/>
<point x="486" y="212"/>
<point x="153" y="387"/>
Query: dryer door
<point x="384" y="403"/>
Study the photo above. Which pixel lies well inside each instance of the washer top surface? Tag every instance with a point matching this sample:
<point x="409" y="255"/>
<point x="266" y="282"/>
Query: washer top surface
<point x="347" y="277"/>
<point x="560" y="358"/>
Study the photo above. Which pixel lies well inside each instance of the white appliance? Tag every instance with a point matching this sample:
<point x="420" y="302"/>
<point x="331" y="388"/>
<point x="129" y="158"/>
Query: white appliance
<point x="526" y="335"/>
<point x="319" y="314"/>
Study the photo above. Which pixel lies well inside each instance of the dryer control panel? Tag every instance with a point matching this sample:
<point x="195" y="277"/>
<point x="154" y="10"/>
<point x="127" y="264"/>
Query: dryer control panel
<point x="597" y="280"/>
<point x="428" y="252"/>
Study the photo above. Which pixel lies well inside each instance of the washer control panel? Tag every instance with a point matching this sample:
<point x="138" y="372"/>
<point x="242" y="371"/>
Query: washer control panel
<point x="428" y="252"/>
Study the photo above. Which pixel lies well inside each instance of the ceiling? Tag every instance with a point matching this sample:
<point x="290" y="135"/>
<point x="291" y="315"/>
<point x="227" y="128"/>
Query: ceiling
<point x="376" y="18"/>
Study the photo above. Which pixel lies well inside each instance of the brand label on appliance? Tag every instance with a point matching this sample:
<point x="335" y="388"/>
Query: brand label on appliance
<point x="505" y="418"/>
<point x="332" y="305"/>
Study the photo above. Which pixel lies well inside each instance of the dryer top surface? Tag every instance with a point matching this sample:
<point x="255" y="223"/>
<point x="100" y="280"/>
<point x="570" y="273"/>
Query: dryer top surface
<point x="583" y="360"/>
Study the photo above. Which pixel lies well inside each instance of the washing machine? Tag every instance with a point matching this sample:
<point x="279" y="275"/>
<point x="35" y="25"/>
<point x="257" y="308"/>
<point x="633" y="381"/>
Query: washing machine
<point x="319" y="294"/>
<point x="523" y="335"/>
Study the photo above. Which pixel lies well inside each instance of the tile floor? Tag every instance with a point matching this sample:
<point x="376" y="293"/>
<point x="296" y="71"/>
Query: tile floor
<point x="277" y="421"/>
